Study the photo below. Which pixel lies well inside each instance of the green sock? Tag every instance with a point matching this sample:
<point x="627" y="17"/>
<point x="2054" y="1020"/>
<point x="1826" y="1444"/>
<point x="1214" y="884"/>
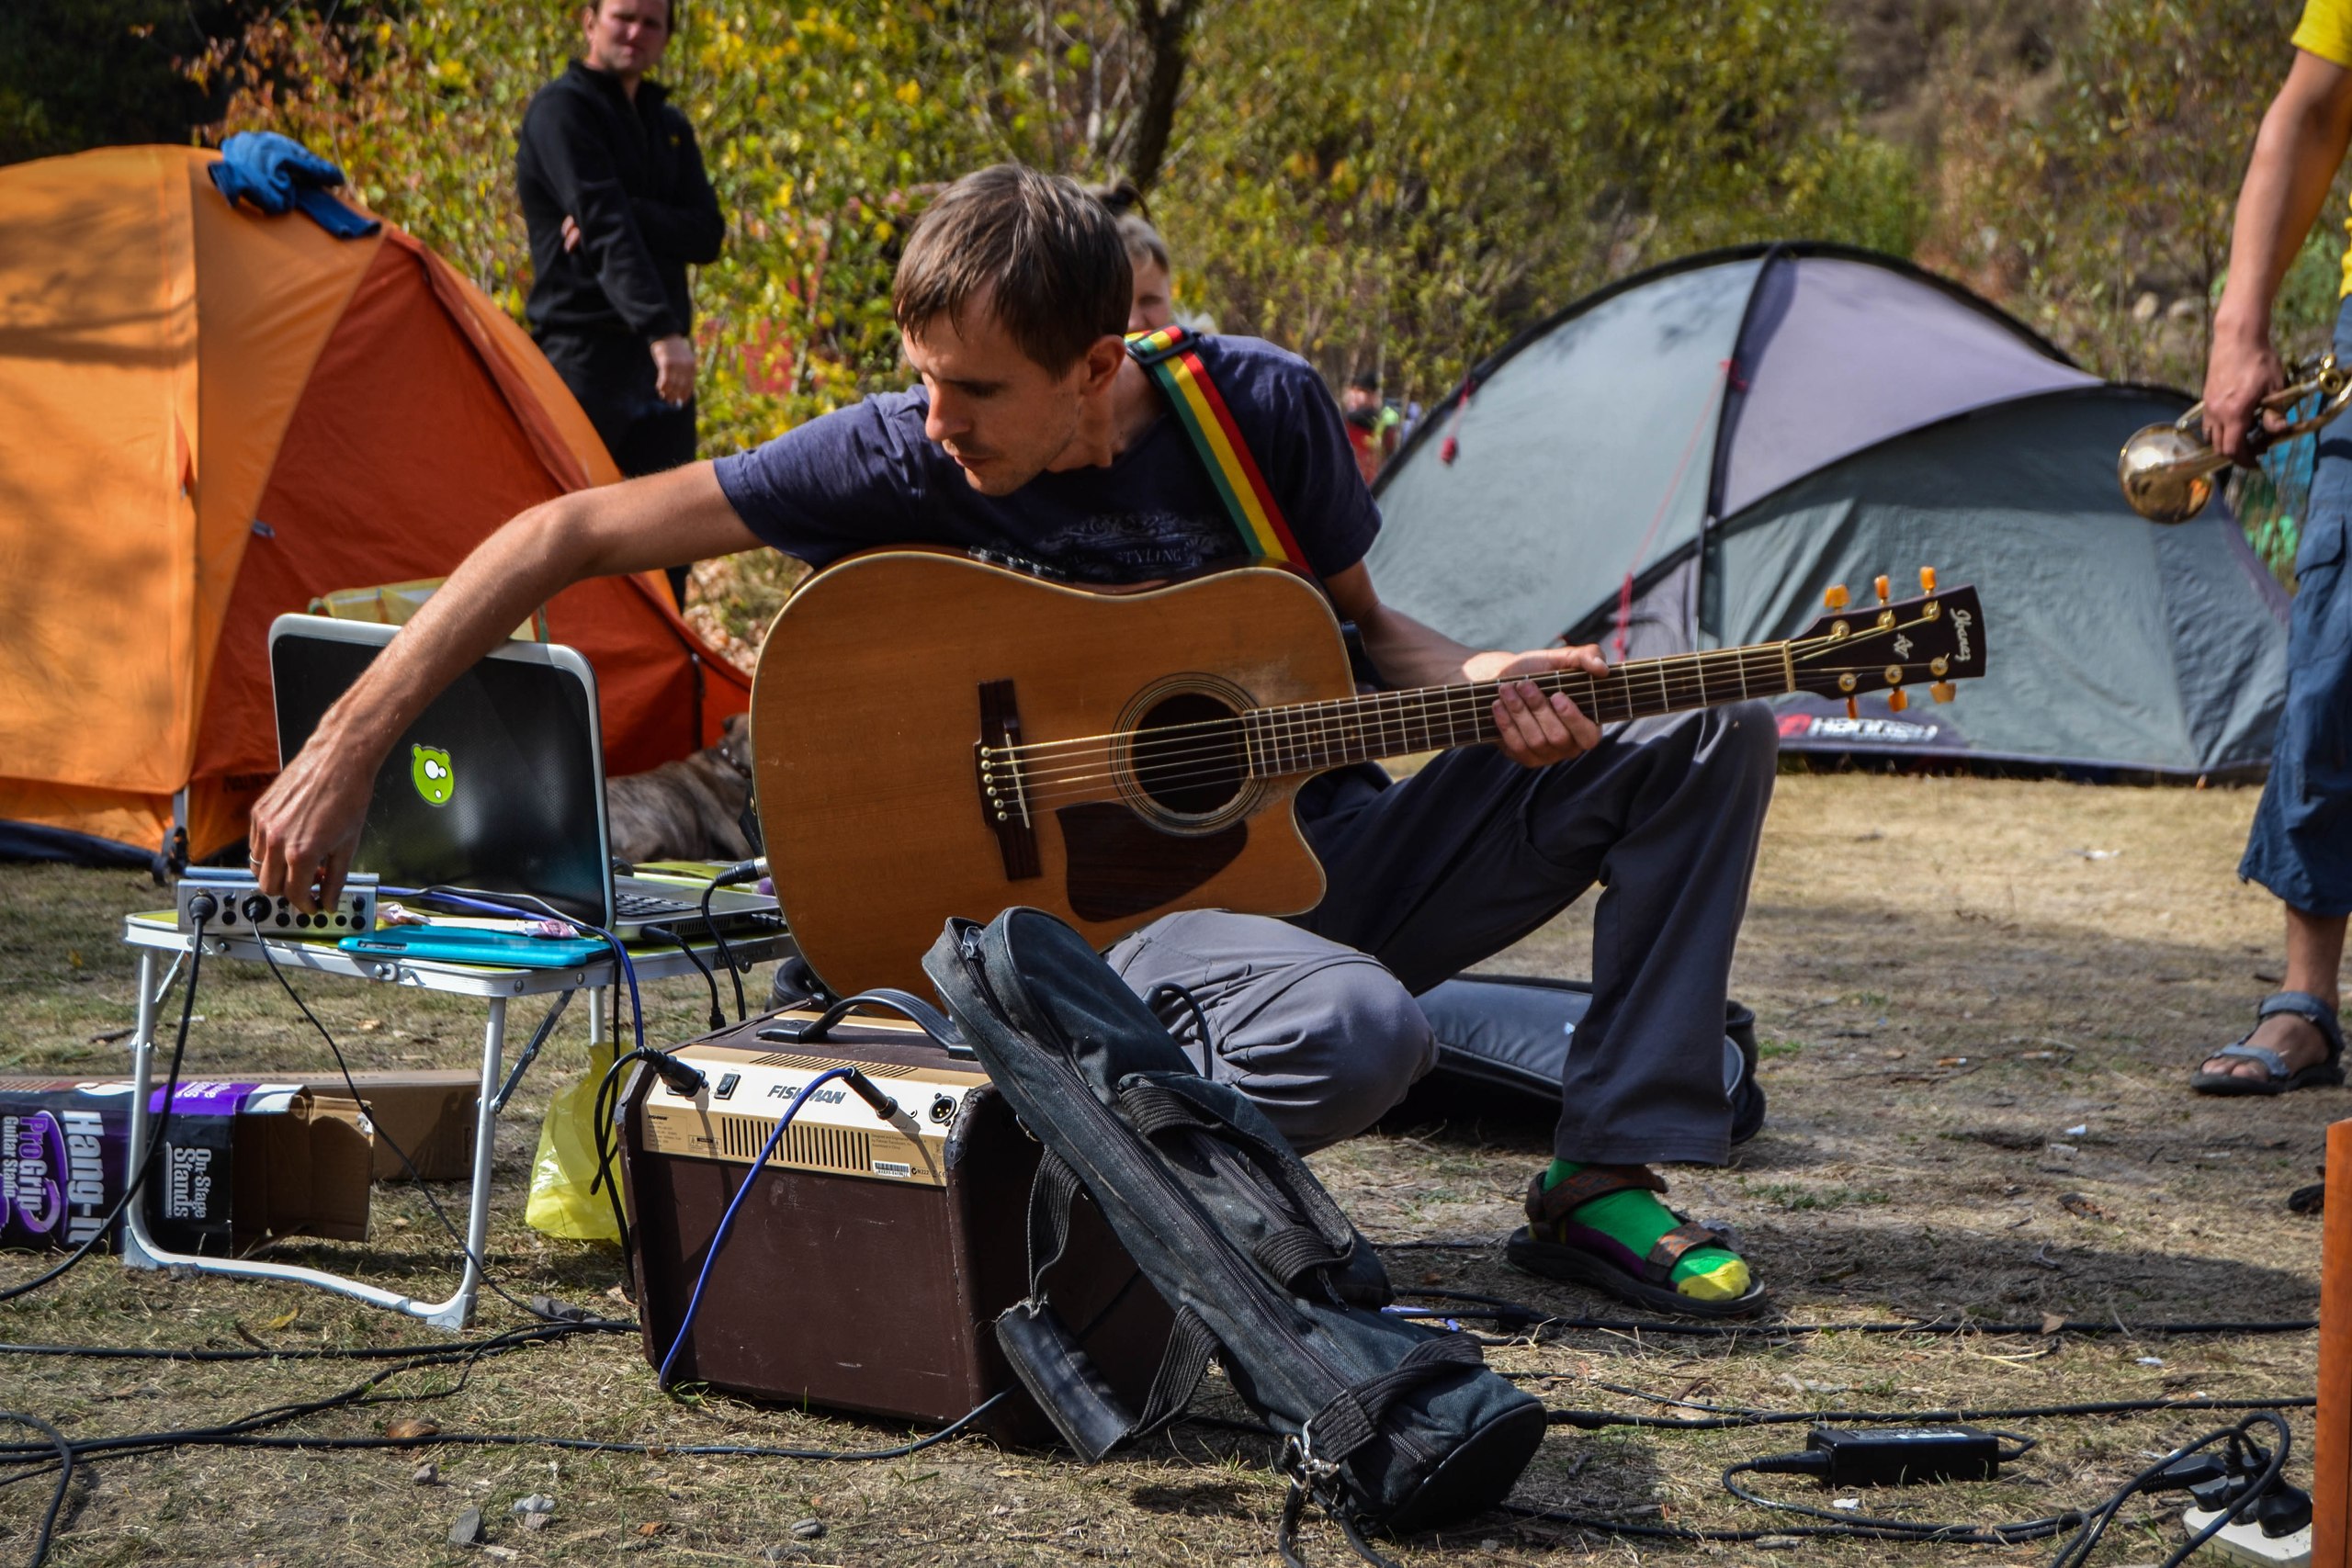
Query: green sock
<point x="1635" y="1219"/>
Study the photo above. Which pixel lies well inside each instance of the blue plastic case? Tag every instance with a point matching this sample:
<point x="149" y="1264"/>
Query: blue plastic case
<point x="469" y="944"/>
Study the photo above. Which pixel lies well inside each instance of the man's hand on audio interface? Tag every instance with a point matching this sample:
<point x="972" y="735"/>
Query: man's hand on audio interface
<point x="306" y="825"/>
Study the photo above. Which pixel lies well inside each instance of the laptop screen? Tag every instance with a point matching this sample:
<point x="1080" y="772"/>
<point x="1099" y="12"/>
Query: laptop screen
<point x="495" y="786"/>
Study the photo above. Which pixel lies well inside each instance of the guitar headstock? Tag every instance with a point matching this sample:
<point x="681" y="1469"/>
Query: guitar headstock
<point x="1932" y="640"/>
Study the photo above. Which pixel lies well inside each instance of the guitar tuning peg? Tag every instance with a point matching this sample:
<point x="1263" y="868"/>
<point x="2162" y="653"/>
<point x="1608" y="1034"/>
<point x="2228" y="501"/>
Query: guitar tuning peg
<point x="1881" y="586"/>
<point x="1941" y="691"/>
<point x="1854" y="708"/>
<point x="1836" y="598"/>
<point x="1897" y="701"/>
<point x="1927" y="579"/>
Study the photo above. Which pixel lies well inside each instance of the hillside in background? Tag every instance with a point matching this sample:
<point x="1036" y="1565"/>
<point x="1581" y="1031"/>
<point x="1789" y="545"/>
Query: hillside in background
<point x="2080" y="161"/>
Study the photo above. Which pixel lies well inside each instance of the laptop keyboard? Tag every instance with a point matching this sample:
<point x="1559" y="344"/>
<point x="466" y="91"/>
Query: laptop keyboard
<point x="646" y="906"/>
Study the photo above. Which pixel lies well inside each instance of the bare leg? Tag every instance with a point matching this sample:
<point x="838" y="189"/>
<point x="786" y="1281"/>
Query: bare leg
<point x="2314" y="951"/>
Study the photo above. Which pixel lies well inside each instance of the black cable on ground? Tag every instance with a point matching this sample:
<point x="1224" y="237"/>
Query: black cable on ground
<point x="1721" y="1417"/>
<point x="64" y="1450"/>
<point x="1507" y="1314"/>
<point x="1626" y="1527"/>
<point x="30" y="1460"/>
<point x="137" y="1178"/>
<point x="2088" y="1524"/>
<point x="582" y="1445"/>
<point x="205" y="1355"/>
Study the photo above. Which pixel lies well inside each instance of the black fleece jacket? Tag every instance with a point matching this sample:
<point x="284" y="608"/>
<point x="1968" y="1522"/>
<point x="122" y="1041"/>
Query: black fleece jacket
<point x="629" y="172"/>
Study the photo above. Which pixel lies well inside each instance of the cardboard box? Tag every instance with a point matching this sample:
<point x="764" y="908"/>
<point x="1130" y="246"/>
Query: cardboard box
<point x="240" y="1163"/>
<point x="429" y="1115"/>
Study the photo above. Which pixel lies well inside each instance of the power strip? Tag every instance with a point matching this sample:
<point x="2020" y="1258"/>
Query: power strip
<point x="246" y="910"/>
<point x="2245" y="1542"/>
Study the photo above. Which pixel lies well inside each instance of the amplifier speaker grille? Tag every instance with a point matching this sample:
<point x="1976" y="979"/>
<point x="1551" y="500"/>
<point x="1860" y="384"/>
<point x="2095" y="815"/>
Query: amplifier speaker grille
<point x="824" y="1148"/>
<point x="818" y="1063"/>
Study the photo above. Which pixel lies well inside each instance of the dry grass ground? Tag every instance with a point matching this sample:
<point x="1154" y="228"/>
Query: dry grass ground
<point x="1951" y="976"/>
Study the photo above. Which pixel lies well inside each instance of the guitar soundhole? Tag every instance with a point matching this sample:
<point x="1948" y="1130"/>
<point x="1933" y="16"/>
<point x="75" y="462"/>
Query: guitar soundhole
<point x="1189" y="755"/>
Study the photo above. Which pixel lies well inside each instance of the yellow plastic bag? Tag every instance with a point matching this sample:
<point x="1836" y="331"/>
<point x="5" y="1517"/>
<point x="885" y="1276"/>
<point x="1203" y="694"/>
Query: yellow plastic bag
<point x="562" y="1203"/>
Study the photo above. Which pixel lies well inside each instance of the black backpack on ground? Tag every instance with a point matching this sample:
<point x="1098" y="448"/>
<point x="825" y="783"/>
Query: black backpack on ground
<point x="1386" y="1422"/>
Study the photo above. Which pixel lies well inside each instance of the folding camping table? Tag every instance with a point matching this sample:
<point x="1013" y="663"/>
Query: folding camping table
<point x="156" y="936"/>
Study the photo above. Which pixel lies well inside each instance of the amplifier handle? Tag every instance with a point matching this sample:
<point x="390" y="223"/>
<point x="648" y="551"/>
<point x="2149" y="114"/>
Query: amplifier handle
<point x="934" y="1023"/>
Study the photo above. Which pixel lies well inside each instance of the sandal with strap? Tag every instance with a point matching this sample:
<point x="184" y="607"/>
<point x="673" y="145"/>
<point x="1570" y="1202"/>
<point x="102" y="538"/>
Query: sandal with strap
<point x="2276" y="1078"/>
<point x="1550" y="1244"/>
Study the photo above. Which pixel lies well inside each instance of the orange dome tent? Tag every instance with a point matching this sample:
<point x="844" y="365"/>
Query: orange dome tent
<point x="213" y="417"/>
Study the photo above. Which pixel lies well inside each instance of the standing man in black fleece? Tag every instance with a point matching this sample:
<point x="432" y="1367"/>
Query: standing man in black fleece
<point x="618" y="204"/>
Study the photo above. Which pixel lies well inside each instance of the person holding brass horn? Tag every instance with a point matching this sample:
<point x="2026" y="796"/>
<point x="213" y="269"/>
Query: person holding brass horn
<point x="2300" y="844"/>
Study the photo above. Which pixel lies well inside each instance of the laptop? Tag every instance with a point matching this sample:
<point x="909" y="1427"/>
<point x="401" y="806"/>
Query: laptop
<point x="499" y="786"/>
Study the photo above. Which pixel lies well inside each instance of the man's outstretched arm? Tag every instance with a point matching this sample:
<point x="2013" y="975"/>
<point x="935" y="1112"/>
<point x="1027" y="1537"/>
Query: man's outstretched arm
<point x="306" y="825"/>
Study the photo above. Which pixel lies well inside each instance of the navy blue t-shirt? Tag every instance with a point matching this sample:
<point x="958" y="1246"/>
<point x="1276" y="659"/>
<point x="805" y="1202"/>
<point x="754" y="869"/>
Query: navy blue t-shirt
<point x="865" y="475"/>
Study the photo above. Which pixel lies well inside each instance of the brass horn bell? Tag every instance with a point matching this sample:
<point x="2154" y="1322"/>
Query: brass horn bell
<point x="2167" y="471"/>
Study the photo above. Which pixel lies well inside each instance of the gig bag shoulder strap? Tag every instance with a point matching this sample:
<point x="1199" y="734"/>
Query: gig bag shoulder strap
<point x="1171" y="356"/>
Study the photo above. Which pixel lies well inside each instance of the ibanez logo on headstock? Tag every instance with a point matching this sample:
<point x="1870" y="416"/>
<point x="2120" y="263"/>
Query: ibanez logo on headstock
<point x="1931" y="639"/>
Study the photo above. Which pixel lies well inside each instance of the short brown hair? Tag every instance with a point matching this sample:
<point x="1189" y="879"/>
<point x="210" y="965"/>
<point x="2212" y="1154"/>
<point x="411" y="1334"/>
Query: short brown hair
<point x="1048" y="257"/>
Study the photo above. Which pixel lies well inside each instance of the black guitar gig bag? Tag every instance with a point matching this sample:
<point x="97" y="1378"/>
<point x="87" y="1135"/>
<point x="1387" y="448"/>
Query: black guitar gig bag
<point x="1387" y="1422"/>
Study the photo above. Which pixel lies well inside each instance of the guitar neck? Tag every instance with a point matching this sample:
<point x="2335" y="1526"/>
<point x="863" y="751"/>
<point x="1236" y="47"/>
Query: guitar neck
<point x="1301" y="738"/>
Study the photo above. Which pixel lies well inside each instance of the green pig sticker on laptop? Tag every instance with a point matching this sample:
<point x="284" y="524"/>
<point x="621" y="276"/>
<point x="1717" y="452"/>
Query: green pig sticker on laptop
<point x="428" y="769"/>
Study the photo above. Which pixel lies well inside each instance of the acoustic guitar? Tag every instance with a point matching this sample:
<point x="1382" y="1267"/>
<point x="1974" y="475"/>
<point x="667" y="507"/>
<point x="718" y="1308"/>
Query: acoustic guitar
<point x="934" y="736"/>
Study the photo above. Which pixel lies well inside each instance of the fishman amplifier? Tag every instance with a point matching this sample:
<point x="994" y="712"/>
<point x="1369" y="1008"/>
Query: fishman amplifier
<point x="871" y="1257"/>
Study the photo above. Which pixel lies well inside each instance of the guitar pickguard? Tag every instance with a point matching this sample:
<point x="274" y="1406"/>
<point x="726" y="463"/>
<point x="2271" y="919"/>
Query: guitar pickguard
<point x="1120" y="865"/>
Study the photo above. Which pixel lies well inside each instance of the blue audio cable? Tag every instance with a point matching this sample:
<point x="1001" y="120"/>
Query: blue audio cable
<point x="866" y="1089"/>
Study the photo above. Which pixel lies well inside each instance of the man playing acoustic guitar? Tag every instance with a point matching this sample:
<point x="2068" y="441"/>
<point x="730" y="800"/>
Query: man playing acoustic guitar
<point x="1035" y="436"/>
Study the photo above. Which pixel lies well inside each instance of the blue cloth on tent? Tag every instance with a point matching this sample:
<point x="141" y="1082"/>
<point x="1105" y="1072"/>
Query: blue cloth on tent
<point x="2301" y="844"/>
<point x="279" y="174"/>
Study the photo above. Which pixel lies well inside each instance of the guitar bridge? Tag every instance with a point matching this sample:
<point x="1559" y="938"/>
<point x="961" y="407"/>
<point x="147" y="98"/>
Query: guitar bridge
<point x="1004" y="788"/>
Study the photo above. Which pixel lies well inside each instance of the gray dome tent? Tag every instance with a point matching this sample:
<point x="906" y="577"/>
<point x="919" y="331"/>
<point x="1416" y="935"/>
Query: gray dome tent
<point x="1737" y="431"/>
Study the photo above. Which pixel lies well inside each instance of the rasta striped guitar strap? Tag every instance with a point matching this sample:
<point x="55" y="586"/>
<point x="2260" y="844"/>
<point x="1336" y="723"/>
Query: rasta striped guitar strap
<point x="1170" y="358"/>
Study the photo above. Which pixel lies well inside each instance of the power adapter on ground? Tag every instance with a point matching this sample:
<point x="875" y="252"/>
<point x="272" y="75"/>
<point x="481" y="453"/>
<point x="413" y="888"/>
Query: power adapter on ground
<point x="1891" y="1456"/>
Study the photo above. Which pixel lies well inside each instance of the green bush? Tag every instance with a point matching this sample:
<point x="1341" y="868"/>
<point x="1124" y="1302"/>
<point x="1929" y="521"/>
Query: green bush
<point x="1369" y="184"/>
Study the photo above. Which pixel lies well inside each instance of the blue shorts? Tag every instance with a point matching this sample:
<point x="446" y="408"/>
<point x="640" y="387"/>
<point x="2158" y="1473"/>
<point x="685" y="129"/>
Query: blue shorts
<point x="2300" y="845"/>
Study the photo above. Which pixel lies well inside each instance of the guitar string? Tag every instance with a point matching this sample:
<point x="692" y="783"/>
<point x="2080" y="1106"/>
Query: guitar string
<point x="1635" y="673"/>
<point x="1323" y="748"/>
<point x="1300" y="726"/>
<point x="1387" y="731"/>
<point x="1314" y="753"/>
<point x="1638" y="672"/>
<point x="1423" y="708"/>
<point x="1368" y="732"/>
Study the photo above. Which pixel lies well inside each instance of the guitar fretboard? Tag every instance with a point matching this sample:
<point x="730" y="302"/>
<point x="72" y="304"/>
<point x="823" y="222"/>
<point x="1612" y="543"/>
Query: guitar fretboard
<point x="1303" y="737"/>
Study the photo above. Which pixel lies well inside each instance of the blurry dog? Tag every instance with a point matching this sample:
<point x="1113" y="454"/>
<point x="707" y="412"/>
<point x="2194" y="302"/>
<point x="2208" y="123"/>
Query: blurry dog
<point x="692" y="809"/>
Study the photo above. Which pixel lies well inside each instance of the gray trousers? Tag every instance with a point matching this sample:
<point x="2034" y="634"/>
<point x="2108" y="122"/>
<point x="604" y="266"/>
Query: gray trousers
<point x="1314" y="1019"/>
